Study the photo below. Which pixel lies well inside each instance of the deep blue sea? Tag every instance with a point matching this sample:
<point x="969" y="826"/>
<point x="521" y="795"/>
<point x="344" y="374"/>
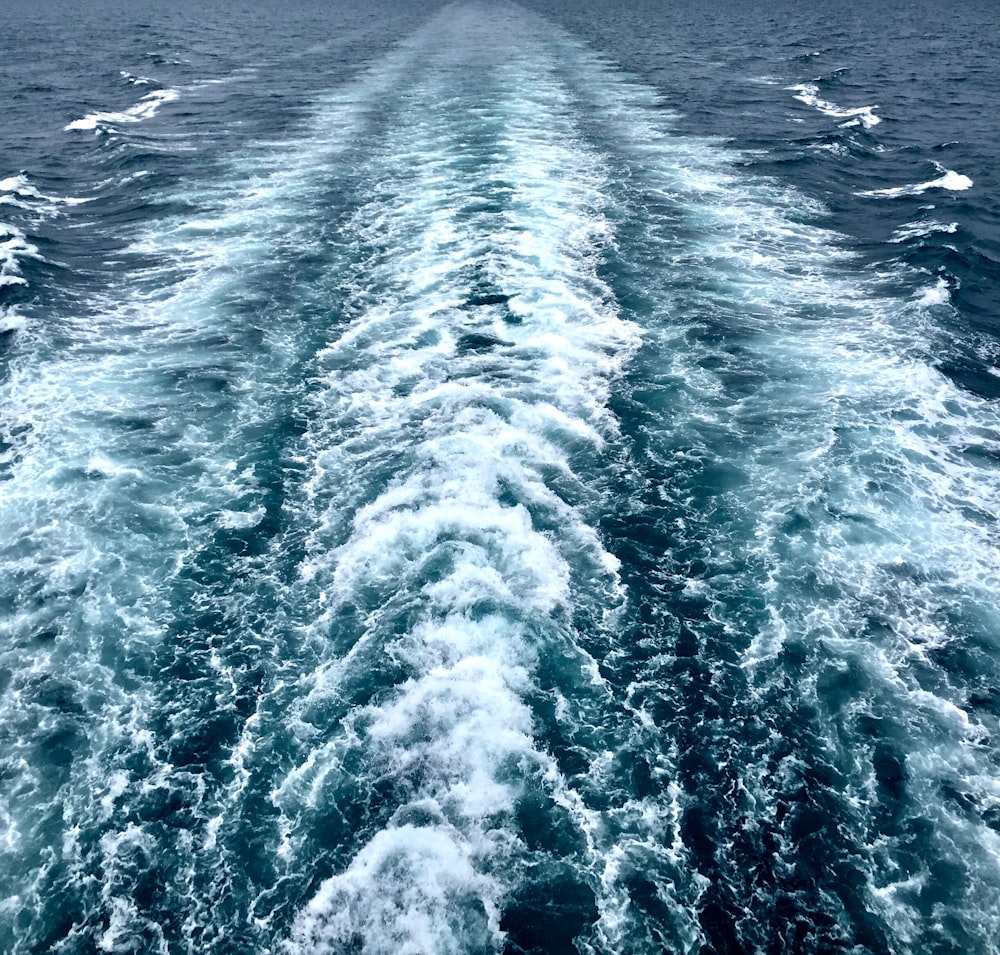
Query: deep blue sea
<point x="488" y="477"/>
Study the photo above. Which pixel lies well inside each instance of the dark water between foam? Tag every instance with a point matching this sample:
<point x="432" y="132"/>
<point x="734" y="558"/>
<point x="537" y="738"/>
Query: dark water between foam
<point x="499" y="478"/>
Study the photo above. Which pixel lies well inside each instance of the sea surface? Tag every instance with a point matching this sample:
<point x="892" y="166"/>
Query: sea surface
<point x="488" y="477"/>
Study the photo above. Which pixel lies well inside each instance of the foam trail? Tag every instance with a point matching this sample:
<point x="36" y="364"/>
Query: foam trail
<point x="492" y="521"/>
<point x="132" y="486"/>
<point x="484" y="367"/>
<point x="820" y="543"/>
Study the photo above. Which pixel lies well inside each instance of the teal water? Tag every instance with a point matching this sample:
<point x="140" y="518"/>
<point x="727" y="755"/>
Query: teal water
<point x="455" y="500"/>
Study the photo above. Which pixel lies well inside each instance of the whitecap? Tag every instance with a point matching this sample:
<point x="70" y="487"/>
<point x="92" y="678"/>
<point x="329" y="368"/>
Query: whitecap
<point x="12" y="321"/>
<point x="14" y="246"/>
<point x="919" y="229"/>
<point x="808" y="93"/>
<point x="951" y="180"/>
<point x="939" y="294"/>
<point x="21" y="187"/>
<point x="135" y="80"/>
<point x="144" y="109"/>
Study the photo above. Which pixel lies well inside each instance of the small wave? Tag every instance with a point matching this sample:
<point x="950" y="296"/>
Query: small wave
<point x="940" y="294"/>
<point x="835" y="149"/>
<point x="144" y="109"/>
<point x="135" y="80"/>
<point x="808" y="93"/>
<point x="18" y="191"/>
<point x="14" y="246"/>
<point x="917" y="230"/>
<point x="11" y="321"/>
<point x="951" y="180"/>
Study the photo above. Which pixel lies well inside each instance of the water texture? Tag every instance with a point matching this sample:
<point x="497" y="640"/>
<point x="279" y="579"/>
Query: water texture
<point x="497" y="478"/>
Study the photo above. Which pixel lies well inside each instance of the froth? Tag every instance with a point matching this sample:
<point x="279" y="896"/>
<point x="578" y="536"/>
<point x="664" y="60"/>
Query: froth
<point x="146" y="108"/>
<point x="14" y="247"/>
<point x="411" y="890"/>
<point x="865" y="116"/>
<point x="483" y="369"/>
<point x="950" y="180"/>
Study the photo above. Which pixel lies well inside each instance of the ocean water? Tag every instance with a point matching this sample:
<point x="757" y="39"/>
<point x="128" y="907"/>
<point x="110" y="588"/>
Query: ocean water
<point x="500" y="477"/>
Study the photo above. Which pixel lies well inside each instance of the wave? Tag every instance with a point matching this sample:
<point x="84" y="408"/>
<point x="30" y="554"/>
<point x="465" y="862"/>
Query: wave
<point x="14" y="247"/>
<point x="146" y="108"/>
<point x="18" y="191"/>
<point x="920" y="229"/>
<point x="808" y="93"/>
<point x="950" y="180"/>
<point x="134" y="80"/>
<point x="938" y="294"/>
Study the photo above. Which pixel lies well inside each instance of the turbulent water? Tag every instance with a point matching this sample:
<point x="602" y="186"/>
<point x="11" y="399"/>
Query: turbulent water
<point x="486" y="478"/>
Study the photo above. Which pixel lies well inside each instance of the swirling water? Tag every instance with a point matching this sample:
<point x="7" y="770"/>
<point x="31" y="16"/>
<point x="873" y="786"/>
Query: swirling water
<point x="492" y="477"/>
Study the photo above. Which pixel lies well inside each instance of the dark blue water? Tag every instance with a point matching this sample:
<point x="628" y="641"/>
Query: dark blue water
<point x="483" y="477"/>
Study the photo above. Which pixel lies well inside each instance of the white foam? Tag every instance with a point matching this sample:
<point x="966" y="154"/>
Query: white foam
<point x="921" y="228"/>
<point x="20" y="185"/>
<point x="939" y="294"/>
<point x="12" y="321"/>
<point x="409" y="891"/>
<point x="14" y="183"/>
<point x="146" y="108"/>
<point x="951" y="181"/>
<point x="14" y="246"/>
<point x="241" y="520"/>
<point x="837" y="149"/>
<point x="117" y="784"/>
<point x="135" y="80"/>
<point x="100" y="466"/>
<point x="808" y="93"/>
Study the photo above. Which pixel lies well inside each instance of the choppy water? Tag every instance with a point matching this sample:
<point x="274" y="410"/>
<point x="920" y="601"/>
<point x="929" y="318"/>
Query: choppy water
<point x="500" y="478"/>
